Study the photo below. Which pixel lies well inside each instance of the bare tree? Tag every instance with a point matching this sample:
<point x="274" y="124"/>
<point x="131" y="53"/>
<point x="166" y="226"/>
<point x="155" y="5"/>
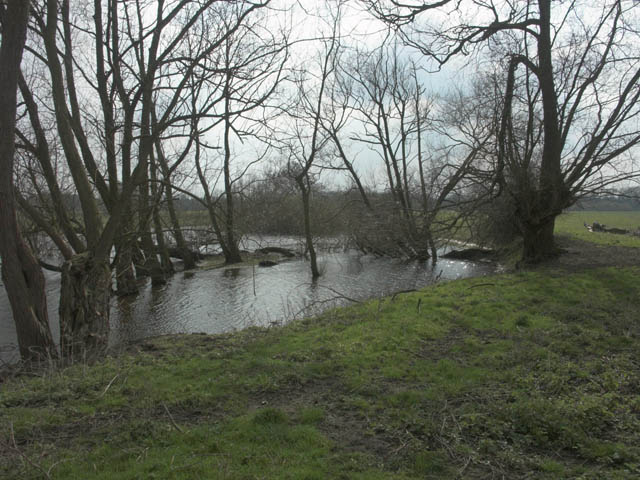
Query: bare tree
<point x="580" y="74"/>
<point x="138" y="54"/>
<point x="397" y="121"/>
<point x="21" y="274"/>
<point x="167" y="170"/>
<point x="237" y="86"/>
<point x="305" y="140"/>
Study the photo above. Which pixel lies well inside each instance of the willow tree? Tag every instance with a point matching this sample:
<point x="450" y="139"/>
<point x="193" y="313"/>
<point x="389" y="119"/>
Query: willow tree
<point x="577" y="65"/>
<point x="21" y="274"/>
<point x="133" y="69"/>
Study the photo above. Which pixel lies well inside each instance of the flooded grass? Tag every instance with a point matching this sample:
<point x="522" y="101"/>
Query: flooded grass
<point x="533" y="374"/>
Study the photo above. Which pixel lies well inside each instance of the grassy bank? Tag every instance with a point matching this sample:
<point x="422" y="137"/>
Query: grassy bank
<point x="530" y="375"/>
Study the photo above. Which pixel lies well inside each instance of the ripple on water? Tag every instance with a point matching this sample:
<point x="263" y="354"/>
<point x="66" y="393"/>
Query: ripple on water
<point x="222" y="300"/>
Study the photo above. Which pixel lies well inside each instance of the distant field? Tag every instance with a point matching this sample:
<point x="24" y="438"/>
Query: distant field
<point x="572" y="223"/>
<point x="191" y="218"/>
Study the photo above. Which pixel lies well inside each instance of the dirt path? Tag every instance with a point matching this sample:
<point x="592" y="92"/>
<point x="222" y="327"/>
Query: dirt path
<point x="580" y="255"/>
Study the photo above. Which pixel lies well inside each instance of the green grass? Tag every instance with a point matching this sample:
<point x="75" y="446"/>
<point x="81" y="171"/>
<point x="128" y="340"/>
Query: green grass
<point x="572" y="223"/>
<point x="530" y="375"/>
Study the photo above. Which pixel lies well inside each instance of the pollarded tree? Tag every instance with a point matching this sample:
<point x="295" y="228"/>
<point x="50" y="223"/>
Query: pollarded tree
<point x="133" y="53"/>
<point x="578" y="67"/>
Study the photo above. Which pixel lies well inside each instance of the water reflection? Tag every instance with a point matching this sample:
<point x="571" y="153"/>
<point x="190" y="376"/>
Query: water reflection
<point x="221" y="300"/>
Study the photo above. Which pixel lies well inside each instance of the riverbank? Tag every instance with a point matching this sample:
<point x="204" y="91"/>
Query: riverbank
<point x="525" y="375"/>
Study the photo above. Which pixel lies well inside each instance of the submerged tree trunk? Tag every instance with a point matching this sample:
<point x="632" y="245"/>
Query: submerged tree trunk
<point x="430" y="245"/>
<point x="163" y="251"/>
<point x="233" y="255"/>
<point x="165" y="260"/>
<point x="126" y="283"/>
<point x="305" y="191"/>
<point x="21" y="274"/>
<point x="181" y="244"/>
<point x="211" y="209"/>
<point x="84" y="307"/>
<point x="151" y="266"/>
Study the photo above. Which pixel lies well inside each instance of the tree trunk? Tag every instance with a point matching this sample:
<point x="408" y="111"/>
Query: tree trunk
<point x="233" y="252"/>
<point x="211" y="207"/>
<point x="151" y="266"/>
<point x="165" y="260"/>
<point x="181" y="244"/>
<point x="216" y="228"/>
<point x="538" y="242"/>
<point x="306" y="210"/>
<point x="84" y="307"/>
<point x="24" y="282"/>
<point x="233" y="255"/>
<point x="163" y="251"/>
<point x="21" y="274"/>
<point x="431" y="244"/>
<point x="538" y="236"/>
<point x="126" y="283"/>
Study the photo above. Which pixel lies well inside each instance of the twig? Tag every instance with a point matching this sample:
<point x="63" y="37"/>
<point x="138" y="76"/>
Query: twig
<point x="173" y="422"/>
<point x="379" y="308"/>
<point x="19" y="452"/>
<point x="464" y="468"/>
<point x="126" y="375"/>
<point x="399" y="292"/>
<point x="52" y="466"/>
<point x="395" y="452"/>
<point x="108" y="386"/>
<point x="481" y="285"/>
<point x="340" y="295"/>
<point x="437" y="279"/>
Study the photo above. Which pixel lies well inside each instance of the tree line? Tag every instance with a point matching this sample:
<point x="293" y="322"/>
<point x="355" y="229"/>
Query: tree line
<point x="128" y="108"/>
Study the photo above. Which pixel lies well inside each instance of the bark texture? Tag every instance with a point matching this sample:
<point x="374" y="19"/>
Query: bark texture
<point x="84" y="307"/>
<point x="21" y="273"/>
<point x="538" y="242"/>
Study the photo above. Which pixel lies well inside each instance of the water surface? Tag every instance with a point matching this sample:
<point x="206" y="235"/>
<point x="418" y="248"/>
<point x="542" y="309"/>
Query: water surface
<point x="232" y="298"/>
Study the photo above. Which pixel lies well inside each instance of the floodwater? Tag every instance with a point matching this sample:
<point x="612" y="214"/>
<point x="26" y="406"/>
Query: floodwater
<point x="232" y="298"/>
